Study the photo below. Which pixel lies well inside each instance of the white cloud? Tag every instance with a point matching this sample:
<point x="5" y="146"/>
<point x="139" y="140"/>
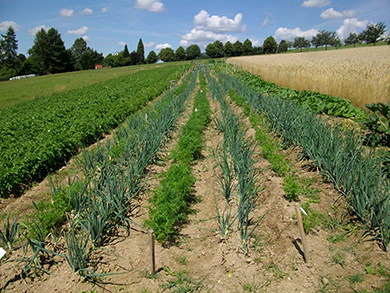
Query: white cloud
<point x="333" y="14"/>
<point x="105" y="9"/>
<point x="150" y="5"/>
<point x="122" y="44"/>
<point x="203" y="38"/>
<point x="315" y="3"/>
<point x="86" y="11"/>
<point x="37" y="28"/>
<point x="255" y="43"/>
<point x="149" y="45"/>
<point x="290" y="34"/>
<point x="265" y="22"/>
<point x="349" y="26"/>
<point x="87" y="39"/>
<point x="216" y="23"/>
<point x="6" y="24"/>
<point x="162" y="46"/>
<point x="81" y="31"/>
<point x="66" y="12"/>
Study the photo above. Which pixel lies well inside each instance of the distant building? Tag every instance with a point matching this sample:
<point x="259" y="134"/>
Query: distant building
<point x="98" y="66"/>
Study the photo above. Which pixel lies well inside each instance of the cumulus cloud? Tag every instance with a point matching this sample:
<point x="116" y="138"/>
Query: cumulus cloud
<point x="105" y="9"/>
<point x="255" y="43"/>
<point x="333" y="14"/>
<point x="150" y="5"/>
<point x="86" y="11"/>
<point x="350" y="25"/>
<point x="6" y="24"/>
<point x="67" y="12"/>
<point x="203" y="38"/>
<point x="87" y="39"/>
<point x="149" y="45"/>
<point x="37" y="29"/>
<point x="162" y="46"/>
<point x="283" y="33"/>
<point x="265" y="22"/>
<point x="216" y="23"/>
<point x="315" y="3"/>
<point x="81" y="31"/>
<point x="122" y="44"/>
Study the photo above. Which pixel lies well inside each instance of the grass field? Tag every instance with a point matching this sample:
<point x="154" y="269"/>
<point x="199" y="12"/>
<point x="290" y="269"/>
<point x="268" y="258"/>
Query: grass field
<point x="361" y="75"/>
<point x="16" y="91"/>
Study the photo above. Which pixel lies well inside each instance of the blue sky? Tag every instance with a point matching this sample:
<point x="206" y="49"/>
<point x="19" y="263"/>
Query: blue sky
<point x="108" y="25"/>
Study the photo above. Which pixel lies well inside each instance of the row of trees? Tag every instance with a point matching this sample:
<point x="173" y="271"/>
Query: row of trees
<point x="49" y="55"/>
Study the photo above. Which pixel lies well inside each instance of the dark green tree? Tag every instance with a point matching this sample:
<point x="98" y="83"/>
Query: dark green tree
<point x="9" y="47"/>
<point x="166" y="54"/>
<point x="135" y="58"/>
<point x="152" y="57"/>
<point x="326" y="38"/>
<point x="300" y="43"/>
<point x="237" y="48"/>
<point x="352" y="39"/>
<point x="193" y="52"/>
<point x="336" y="42"/>
<point x="180" y="54"/>
<point x="141" y="52"/>
<point x="270" y="46"/>
<point x="78" y="50"/>
<point x="211" y="51"/>
<point x="126" y="53"/>
<point x="247" y="48"/>
<point x="49" y="54"/>
<point x="258" y="50"/>
<point x="372" y="34"/>
<point x="228" y="49"/>
<point x="218" y="48"/>
<point x="283" y="46"/>
<point x="316" y="42"/>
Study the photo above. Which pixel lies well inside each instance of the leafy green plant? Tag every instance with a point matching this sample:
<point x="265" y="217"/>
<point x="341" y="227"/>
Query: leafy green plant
<point x="10" y="232"/>
<point x="291" y="187"/>
<point x="378" y="123"/>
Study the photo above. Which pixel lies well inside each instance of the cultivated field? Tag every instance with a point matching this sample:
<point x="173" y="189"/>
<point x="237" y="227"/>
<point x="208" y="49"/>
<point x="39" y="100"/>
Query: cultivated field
<point x="200" y="169"/>
<point x="361" y="75"/>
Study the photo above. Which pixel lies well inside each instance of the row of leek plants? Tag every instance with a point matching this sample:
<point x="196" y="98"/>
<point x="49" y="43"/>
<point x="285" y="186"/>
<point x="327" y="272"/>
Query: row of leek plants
<point x="357" y="174"/>
<point x="239" y="183"/>
<point x="171" y="199"/>
<point x="114" y="174"/>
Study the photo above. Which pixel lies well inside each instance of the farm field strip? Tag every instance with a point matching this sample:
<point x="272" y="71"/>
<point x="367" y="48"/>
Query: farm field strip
<point x="357" y="175"/>
<point x="38" y="136"/>
<point x="361" y="75"/>
<point x="101" y="202"/>
<point x="212" y="206"/>
<point x="171" y="199"/>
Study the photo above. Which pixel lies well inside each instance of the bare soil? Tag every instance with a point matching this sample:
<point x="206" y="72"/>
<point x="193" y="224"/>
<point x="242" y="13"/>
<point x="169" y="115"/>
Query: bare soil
<point x="275" y="261"/>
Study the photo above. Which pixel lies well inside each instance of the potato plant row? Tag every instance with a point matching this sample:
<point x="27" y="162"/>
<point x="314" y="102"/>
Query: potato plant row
<point x="358" y="175"/>
<point x="101" y="200"/>
<point x="315" y="101"/>
<point x="38" y="136"/>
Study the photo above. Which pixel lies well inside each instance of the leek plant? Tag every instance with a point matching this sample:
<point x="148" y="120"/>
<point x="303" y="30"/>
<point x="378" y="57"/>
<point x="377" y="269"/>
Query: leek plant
<point x="357" y="174"/>
<point x="241" y="150"/>
<point x="10" y="232"/>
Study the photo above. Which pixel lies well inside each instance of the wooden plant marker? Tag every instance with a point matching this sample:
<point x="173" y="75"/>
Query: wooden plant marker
<point x="302" y="232"/>
<point x="152" y="254"/>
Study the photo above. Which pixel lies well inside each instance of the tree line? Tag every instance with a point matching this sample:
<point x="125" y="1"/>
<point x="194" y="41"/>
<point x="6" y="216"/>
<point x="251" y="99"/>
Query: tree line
<point x="49" y="55"/>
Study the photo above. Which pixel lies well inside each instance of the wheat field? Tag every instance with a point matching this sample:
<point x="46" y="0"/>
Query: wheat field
<point x="361" y="75"/>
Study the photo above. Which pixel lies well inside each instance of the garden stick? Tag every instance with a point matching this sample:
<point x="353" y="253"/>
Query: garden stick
<point x="152" y="256"/>
<point x="302" y="232"/>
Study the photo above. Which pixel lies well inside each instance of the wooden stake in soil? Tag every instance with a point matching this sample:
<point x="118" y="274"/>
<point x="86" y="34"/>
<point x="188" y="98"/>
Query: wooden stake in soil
<point x="302" y="232"/>
<point x="152" y="256"/>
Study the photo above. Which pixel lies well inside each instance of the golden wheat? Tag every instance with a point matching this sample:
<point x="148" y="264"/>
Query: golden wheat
<point x="361" y="75"/>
